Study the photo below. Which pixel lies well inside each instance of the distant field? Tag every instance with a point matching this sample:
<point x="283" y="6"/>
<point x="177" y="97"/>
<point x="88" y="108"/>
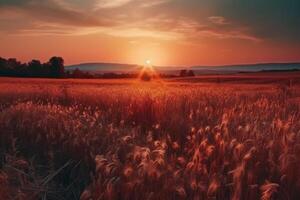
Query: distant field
<point x="253" y="78"/>
<point x="206" y="137"/>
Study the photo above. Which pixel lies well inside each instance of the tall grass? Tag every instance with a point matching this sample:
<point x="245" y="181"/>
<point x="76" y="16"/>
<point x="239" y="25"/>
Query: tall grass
<point x="149" y="141"/>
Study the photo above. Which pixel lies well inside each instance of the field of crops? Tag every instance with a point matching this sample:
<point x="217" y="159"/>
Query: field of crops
<point x="126" y="139"/>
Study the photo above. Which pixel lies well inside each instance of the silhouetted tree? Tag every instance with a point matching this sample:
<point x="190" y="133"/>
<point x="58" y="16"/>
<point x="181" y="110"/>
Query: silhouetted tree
<point x="9" y="67"/>
<point x="77" y="73"/>
<point x="183" y="73"/>
<point x="186" y="73"/>
<point x="12" y="67"/>
<point x="35" y="68"/>
<point x="13" y="63"/>
<point x="21" y="70"/>
<point x="191" y="73"/>
<point x="57" y="68"/>
<point x="3" y="66"/>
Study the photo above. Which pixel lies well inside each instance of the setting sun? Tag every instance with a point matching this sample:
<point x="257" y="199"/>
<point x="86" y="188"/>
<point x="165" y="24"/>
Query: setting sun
<point x="147" y="72"/>
<point x="148" y="62"/>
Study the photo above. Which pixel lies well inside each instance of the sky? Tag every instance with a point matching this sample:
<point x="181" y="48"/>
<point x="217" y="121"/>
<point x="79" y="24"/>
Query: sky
<point x="167" y="32"/>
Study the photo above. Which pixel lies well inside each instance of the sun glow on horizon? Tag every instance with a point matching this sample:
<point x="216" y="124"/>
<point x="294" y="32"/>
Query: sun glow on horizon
<point x="148" y="72"/>
<point x="148" y="62"/>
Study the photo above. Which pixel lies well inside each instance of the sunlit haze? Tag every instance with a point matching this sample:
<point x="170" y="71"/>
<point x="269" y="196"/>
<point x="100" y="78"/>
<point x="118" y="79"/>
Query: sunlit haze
<point x="171" y="32"/>
<point x="148" y="62"/>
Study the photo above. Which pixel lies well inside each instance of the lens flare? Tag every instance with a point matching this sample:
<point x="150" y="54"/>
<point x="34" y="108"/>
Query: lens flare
<point x="148" y="72"/>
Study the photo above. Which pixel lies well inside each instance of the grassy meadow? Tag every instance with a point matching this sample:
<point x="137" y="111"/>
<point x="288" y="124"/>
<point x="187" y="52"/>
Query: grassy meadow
<point x="215" y="138"/>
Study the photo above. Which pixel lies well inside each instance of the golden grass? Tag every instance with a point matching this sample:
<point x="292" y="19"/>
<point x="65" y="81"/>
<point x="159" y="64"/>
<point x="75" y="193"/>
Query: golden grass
<point x="130" y="140"/>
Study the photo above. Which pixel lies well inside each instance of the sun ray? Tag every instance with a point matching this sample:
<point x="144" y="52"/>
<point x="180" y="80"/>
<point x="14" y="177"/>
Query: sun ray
<point x="148" y="71"/>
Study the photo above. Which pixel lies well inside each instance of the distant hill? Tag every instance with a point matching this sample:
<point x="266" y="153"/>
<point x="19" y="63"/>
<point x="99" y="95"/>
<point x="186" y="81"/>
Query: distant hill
<point x="95" y="68"/>
<point x="225" y="69"/>
<point x="104" y="67"/>
<point x="99" y="68"/>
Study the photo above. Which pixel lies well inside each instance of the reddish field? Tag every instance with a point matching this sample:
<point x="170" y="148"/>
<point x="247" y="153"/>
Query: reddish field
<point x="259" y="77"/>
<point x="207" y="137"/>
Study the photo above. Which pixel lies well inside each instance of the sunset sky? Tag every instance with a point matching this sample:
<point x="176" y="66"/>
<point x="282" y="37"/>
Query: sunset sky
<point x="168" y="32"/>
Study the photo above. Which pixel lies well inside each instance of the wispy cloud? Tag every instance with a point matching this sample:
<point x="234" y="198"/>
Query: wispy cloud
<point x="100" y="4"/>
<point x="62" y="17"/>
<point x="219" y="20"/>
<point x="187" y="17"/>
<point x="190" y="29"/>
<point x="230" y="34"/>
<point x="111" y="3"/>
<point x="143" y="33"/>
<point x="153" y="3"/>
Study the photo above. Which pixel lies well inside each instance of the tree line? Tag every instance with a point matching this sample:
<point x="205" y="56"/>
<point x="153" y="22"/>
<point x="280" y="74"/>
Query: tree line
<point x="186" y="73"/>
<point x="54" y="68"/>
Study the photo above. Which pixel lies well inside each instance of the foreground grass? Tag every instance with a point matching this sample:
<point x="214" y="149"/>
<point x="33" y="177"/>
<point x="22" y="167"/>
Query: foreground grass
<point x="88" y="140"/>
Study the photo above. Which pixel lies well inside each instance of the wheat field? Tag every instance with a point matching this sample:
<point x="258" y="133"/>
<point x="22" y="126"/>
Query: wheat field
<point x="124" y="139"/>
